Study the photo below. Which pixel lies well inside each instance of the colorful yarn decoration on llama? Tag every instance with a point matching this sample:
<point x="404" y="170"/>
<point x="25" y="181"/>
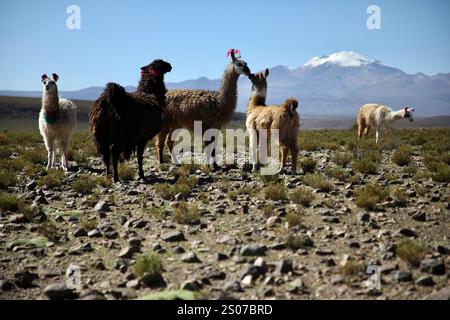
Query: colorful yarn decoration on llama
<point x="52" y="117"/>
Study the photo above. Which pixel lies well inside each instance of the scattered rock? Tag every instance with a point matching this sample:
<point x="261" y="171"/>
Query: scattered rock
<point x="59" y="291"/>
<point x="401" y="275"/>
<point x="173" y="236"/>
<point x="102" y="206"/>
<point x="284" y="266"/>
<point x="24" y="279"/>
<point x="192" y="285"/>
<point x="253" y="250"/>
<point x="6" y="285"/>
<point x="80" y="232"/>
<point x="426" y="281"/>
<point x="443" y="294"/>
<point x="406" y="232"/>
<point x="190" y="257"/>
<point x="220" y="256"/>
<point x="443" y="249"/>
<point x="127" y="252"/>
<point x="421" y="216"/>
<point x="433" y="266"/>
<point x="233" y="286"/>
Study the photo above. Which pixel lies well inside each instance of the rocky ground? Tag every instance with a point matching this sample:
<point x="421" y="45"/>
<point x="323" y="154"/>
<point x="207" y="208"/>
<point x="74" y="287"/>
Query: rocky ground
<point x="228" y="236"/>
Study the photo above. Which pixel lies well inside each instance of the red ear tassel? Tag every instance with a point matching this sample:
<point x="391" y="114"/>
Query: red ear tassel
<point x="43" y="77"/>
<point x="406" y="109"/>
<point x="229" y="52"/>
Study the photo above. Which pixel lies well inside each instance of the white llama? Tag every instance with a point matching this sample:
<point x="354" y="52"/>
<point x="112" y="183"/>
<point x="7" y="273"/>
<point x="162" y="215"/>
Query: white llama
<point x="57" y="120"/>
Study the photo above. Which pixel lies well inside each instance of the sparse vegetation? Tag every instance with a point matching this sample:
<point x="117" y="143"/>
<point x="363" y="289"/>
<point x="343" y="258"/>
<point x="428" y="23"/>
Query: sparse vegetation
<point x="148" y="268"/>
<point x="9" y="202"/>
<point x="342" y="158"/>
<point x="302" y="195"/>
<point x="317" y="181"/>
<point x="370" y="195"/>
<point x="182" y="186"/>
<point x="295" y="242"/>
<point x="402" y="156"/>
<point x="411" y="251"/>
<point x="308" y="165"/>
<point x="295" y="217"/>
<point x="84" y="184"/>
<point x="442" y="173"/>
<point x="337" y="173"/>
<point x="365" y="165"/>
<point x="275" y="191"/>
<point x="53" y="179"/>
<point x="126" y="172"/>
<point x="400" y="196"/>
<point x="186" y="214"/>
<point x="351" y="268"/>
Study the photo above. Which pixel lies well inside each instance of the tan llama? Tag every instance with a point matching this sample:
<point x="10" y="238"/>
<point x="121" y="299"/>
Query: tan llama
<point x="282" y="117"/>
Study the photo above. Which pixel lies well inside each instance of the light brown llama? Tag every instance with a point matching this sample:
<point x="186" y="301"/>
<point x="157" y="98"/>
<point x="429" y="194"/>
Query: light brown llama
<point x="213" y="108"/>
<point x="281" y="117"/>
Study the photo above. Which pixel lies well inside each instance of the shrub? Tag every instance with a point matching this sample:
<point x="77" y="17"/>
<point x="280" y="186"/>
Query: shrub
<point x="309" y="145"/>
<point x="402" y="156"/>
<point x="308" y="164"/>
<point x="126" y="173"/>
<point x="84" y="184"/>
<point x="365" y="165"/>
<point x="442" y="173"/>
<point x="337" y="173"/>
<point x="295" y="218"/>
<point x="302" y="196"/>
<point x="7" y="179"/>
<point x="105" y="182"/>
<point x="49" y="230"/>
<point x="342" y="158"/>
<point x="35" y="156"/>
<point x="148" y="267"/>
<point x="183" y="186"/>
<point x="186" y="214"/>
<point x="317" y="181"/>
<point x="295" y="242"/>
<point x="370" y="195"/>
<point x="411" y="251"/>
<point x="351" y="268"/>
<point x="275" y="191"/>
<point x="268" y="211"/>
<point x="268" y="179"/>
<point x="400" y="196"/>
<point x="53" y="179"/>
<point x="89" y="225"/>
<point x="8" y="202"/>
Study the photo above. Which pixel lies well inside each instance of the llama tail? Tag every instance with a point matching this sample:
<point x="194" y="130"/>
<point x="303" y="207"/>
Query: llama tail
<point x="115" y="97"/>
<point x="291" y="106"/>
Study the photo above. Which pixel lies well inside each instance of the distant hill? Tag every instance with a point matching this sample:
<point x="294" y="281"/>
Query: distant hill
<point x="26" y="111"/>
<point x="331" y="85"/>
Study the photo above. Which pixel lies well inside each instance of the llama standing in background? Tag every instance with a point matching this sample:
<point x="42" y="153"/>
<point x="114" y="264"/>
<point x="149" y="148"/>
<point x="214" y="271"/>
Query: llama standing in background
<point x="57" y="120"/>
<point x="213" y="108"/>
<point x="379" y="116"/>
<point x="123" y="123"/>
<point x="281" y="117"/>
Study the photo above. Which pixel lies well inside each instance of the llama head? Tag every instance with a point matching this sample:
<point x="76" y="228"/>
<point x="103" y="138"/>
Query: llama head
<point x="157" y="68"/>
<point x="259" y="82"/>
<point x="239" y="65"/>
<point x="49" y="83"/>
<point x="408" y="113"/>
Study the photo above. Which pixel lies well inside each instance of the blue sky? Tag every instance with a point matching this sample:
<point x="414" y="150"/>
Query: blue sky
<point x="118" y="37"/>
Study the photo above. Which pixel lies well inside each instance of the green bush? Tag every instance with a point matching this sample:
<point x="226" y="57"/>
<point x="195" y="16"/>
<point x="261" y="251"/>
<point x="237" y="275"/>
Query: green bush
<point x="337" y="173"/>
<point x="9" y="202"/>
<point x="275" y="191"/>
<point x="7" y="179"/>
<point x="302" y="195"/>
<point x="317" y="181"/>
<point x="186" y="214"/>
<point x="370" y="195"/>
<point x="411" y="251"/>
<point x="442" y="173"/>
<point x="365" y="165"/>
<point x="84" y="184"/>
<point x="308" y="165"/>
<point x="402" y="156"/>
<point x="53" y="179"/>
<point x="342" y="158"/>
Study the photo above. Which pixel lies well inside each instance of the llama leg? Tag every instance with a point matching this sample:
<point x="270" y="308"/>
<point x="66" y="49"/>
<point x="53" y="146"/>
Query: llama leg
<point x="64" y="162"/>
<point x="160" y="139"/>
<point x="50" y="153"/>
<point x="366" y="132"/>
<point x="253" y="149"/>
<point x="294" y="155"/>
<point x="169" y="144"/>
<point x="377" y="135"/>
<point x="284" y="153"/>
<point x="211" y="145"/>
<point x="360" y="131"/>
<point x="115" y="157"/>
<point x="140" y="156"/>
<point x="106" y="155"/>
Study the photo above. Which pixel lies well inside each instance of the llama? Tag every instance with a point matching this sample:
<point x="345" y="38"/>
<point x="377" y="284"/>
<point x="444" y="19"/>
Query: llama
<point x="57" y="120"/>
<point x="213" y="108"/>
<point x="281" y="117"/>
<point x="379" y="116"/>
<point x="123" y="123"/>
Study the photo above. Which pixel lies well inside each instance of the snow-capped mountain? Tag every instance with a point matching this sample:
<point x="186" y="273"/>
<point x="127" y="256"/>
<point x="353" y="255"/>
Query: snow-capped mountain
<point x="335" y="84"/>
<point x="342" y="59"/>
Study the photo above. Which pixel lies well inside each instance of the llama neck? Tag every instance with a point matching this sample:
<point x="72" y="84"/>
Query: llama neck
<point x="154" y="85"/>
<point x="50" y="101"/>
<point x="395" y="115"/>
<point x="228" y="92"/>
<point x="257" y="99"/>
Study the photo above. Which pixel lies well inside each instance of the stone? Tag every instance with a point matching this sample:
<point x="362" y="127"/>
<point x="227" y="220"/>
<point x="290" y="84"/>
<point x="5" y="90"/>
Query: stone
<point x="284" y="266"/>
<point x="254" y="271"/>
<point x="24" y="279"/>
<point x="133" y="284"/>
<point x="192" y="285"/>
<point x="31" y="185"/>
<point x="220" y="256"/>
<point x="407" y="232"/>
<point x="364" y="217"/>
<point x="433" y="266"/>
<point x="443" y="249"/>
<point x="6" y="285"/>
<point x="324" y="252"/>
<point x="173" y="236"/>
<point x="102" y="206"/>
<point x="421" y="216"/>
<point x="80" y="232"/>
<point x="297" y="286"/>
<point x="401" y="275"/>
<point x="127" y="252"/>
<point x="426" y="281"/>
<point x="94" y="234"/>
<point x="253" y="250"/>
<point x="17" y="218"/>
<point x="190" y="257"/>
<point x="233" y="286"/>
<point x="59" y="291"/>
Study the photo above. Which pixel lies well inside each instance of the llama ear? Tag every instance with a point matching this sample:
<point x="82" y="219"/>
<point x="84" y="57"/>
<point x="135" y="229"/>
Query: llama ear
<point x="233" y="57"/>
<point x="411" y="110"/>
<point x="43" y="77"/>
<point x="55" y="77"/>
<point x="267" y="73"/>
